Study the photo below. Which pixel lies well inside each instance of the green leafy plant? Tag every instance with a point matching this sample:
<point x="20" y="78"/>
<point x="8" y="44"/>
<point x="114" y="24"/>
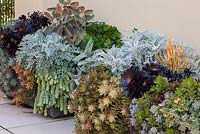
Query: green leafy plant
<point x="171" y="108"/>
<point x="103" y="35"/>
<point x="99" y="104"/>
<point x="52" y="62"/>
<point x="69" y="19"/>
<point x="8" y="78"/>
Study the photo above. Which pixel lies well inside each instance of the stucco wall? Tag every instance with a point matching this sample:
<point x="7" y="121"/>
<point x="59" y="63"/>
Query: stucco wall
<point x="178" y="19"/>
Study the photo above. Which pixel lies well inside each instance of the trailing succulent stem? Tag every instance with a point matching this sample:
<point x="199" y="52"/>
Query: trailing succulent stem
<point x="52" y="91"/>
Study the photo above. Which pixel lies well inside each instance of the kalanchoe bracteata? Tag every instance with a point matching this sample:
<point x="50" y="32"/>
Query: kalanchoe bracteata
<point x="137" y="81"/>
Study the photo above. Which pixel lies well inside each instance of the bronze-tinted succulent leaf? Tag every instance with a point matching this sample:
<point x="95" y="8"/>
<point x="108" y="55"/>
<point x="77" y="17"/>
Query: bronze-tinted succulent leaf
<point x="63" y="2"/>
<point x="75" y="11"/>
<point x="58" y="29"/>
<point x="48" y="15"/>
<point x="75" y="4"/>
<point x="57" y="16"/>
<point x="88" y="12"/>
<point x="48" y="30"/>
<point x="51" y="9"/>
<point x="88" y="17"/>
<point x="69" y="1"/>
<point x="65" y="12"/>
<point x="81" y="9"/>
<point x="74" y="38"/>
<point x="72" y="17"/>
<point x="66" y="30"/>
<point x="59" y="9"/>
<point x="81" y="33"/>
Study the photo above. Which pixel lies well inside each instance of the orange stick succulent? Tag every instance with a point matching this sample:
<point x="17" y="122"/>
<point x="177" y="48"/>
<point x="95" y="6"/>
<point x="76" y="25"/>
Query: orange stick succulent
<point x="174" y="57"/>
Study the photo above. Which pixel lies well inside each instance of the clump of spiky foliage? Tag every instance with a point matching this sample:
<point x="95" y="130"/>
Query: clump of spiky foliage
<point x="103" y="35"/>
<point x="171" y="108"/>
<point x="8" y="79"/>
<point x="10" y="37"/>
<point x="137" y="81"/>
<point x="139" y="48"/>
<point x="99" y="104"/>
<point x="174" y="57"/>
<point x="27" y="89"/>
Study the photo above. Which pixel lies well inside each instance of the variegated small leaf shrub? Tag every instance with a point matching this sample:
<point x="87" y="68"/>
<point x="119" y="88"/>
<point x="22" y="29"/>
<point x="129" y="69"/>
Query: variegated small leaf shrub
<point x="168" y="108"/>
<point x="99" y="104"/>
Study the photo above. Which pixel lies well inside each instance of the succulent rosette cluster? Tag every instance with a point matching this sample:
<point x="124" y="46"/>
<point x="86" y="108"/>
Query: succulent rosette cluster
<point x="99" y="104"/>
<point x="168" y="108"/>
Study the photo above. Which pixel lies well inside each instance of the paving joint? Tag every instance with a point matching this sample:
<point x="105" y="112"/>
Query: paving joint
<point x="3" y="128"/>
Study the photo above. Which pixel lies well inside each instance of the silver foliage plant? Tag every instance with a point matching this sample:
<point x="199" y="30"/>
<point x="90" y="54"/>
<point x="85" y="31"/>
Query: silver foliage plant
<point x="46" y="53"/>
<point x="194" y="60"/>
<point x="139" y="48"/>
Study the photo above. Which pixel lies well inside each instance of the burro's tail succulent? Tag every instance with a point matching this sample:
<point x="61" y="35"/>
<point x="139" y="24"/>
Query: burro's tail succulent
<point x="99" y="104"/>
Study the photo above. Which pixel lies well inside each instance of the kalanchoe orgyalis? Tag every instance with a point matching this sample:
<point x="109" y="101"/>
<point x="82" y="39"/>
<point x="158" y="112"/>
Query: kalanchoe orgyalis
<point x="68" y="20"/>
<point x="137" y="81"/>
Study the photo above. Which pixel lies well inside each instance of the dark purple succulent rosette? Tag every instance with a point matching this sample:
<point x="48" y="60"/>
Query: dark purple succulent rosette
<point x="136" y="81"/>
<point x="10" y="37"/>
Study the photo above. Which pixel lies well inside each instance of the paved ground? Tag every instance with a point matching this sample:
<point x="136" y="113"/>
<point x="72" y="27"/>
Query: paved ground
<point x="15" y="120"/>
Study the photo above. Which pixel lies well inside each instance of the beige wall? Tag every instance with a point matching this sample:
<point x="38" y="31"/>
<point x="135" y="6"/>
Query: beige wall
<point x="179" y="19"/>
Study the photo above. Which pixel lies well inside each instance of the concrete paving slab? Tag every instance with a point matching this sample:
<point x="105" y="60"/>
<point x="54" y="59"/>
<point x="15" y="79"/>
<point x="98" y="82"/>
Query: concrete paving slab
<point x="11" y="116"/>
<point x="58" y="127"/>
<point x="4" y="132"/>
<point x="4" y="101"/>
